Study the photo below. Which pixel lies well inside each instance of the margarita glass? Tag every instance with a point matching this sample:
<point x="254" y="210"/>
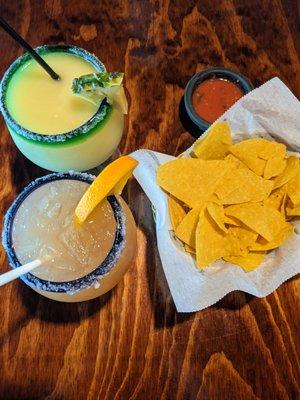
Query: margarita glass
<point x="51" y="126"/>
<point x="79" y="262"/>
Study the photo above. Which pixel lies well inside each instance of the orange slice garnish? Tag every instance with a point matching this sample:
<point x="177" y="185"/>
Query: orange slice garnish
<point x="110" y="181"/>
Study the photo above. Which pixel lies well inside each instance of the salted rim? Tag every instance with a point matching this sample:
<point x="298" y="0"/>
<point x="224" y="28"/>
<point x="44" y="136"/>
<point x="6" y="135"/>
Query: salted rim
<point x="83" y="129"/>
<point x="80" y="283"/>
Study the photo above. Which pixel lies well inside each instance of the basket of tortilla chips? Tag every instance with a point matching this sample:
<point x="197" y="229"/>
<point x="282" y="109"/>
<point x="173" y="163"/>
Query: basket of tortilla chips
<point x="227" y="209"/>
<point x="232" y="201"/>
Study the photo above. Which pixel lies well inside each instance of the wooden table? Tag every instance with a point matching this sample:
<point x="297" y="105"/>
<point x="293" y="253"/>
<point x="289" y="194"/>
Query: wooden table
<point x="131" y="343"/>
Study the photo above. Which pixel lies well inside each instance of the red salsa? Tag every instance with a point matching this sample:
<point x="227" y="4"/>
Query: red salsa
<point x="213" y="97"/>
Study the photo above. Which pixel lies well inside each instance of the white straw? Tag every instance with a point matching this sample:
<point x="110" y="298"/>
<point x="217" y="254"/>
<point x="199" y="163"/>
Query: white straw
<point x="15" y="273"/>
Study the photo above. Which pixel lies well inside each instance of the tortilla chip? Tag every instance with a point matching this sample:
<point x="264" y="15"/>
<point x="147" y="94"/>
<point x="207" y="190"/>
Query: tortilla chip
<point x="241" y="238"/>
<point x="262" y="148"/>
<point x="191" y="180"/>
<point x="246" y="152"/>
<point x="214" y="199"/>
<point x="235" y="162"/>
<point x="283" y="204"/>
<point x="281" y="237"/>
<point x="248" y="262"/>
<point x="176" y="211"/>
<point x="268" y="149"/>
<point x="255" y="152"/>
<point x="216" y="211"/>
<point x="211" y="242"/>
<point x="189" y="249"/>
<point x="289" y="172"/>
<point x="215" y="144"/>
<point x="232" y="221"/>
<point x="240" y="185"/>
<point x="276" y="198"/>
<point x="262" y="219"/>
<point x="293" y="212"/>
<point x="186" y="230"/>
<point x="274" y="167"/>
<point x="293" y="189"/>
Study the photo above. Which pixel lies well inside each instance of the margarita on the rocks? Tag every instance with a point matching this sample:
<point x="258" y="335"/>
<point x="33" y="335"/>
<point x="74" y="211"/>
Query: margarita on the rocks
<point x="53" y="127"/>
<point x="80" y="261"/>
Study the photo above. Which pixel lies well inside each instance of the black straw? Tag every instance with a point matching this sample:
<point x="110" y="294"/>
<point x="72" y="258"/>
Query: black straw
<point x="27" y="47"/>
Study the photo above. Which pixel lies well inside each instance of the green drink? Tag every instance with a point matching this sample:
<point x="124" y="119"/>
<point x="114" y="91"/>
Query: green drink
<point x="51" y="126"/>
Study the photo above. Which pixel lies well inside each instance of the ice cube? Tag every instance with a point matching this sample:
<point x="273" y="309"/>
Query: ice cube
<point x="53" y="191"/>
<point x="54" y="211"/>
<point x="43" y="205"/>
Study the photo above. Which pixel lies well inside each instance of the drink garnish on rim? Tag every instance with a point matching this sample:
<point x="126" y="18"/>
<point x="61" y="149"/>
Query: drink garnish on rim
<point x="100" y="85"/>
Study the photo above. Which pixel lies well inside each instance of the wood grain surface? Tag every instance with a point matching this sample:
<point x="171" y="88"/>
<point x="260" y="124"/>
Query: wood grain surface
<point x="131" y="343"/>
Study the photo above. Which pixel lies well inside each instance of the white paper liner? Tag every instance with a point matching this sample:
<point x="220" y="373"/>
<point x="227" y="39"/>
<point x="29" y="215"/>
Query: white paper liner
<point x="270" y="111"/>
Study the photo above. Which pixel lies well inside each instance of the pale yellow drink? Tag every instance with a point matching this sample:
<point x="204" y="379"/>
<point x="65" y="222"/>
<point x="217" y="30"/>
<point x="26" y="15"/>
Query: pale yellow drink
<point x="44" y="105"/>
<point x="43" y="228"/>
<point x="52" y="127"/>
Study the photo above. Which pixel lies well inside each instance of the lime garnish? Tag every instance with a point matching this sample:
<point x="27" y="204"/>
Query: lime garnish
<point x="100" y="85"/>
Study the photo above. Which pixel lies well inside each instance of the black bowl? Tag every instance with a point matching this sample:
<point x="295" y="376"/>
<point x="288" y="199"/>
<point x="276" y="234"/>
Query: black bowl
<point x="191" y="121"/>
